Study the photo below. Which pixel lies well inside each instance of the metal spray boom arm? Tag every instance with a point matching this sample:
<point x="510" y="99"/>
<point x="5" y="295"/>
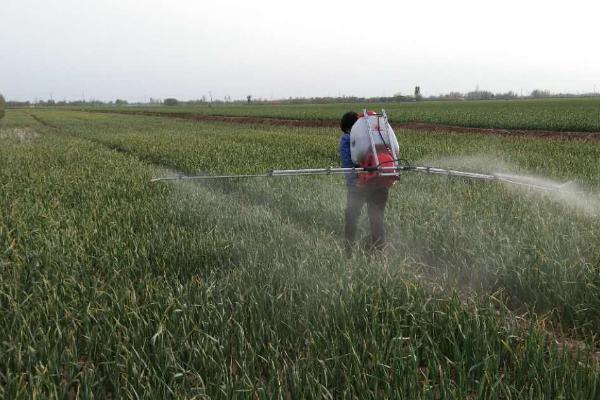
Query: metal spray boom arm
<point x="383" y="171"/>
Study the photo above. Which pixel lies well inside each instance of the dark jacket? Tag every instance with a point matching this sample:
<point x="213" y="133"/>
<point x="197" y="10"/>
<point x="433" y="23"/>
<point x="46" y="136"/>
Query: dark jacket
<point x="346" y="159"/>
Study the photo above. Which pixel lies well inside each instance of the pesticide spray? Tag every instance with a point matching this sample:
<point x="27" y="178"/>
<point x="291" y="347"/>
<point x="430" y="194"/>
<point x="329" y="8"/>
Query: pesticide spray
<point x="375" y="148"/>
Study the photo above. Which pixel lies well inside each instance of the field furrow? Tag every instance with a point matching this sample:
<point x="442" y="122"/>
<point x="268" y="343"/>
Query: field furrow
<point x="551" y="115"/>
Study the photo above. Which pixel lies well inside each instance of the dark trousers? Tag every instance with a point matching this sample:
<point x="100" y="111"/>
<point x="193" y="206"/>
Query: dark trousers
<point x="376" y="199"/>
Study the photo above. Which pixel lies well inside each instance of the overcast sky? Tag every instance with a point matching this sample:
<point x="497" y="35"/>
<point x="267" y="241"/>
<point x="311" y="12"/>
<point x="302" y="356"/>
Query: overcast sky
<point x="273" y="49"/>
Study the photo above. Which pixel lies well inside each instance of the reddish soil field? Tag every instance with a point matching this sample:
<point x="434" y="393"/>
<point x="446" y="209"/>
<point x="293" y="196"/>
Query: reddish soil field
<point x="417" y="126"/>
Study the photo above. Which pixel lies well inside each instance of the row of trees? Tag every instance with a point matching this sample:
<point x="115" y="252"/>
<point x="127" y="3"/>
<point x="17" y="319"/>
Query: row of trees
<point x="52" y="103"/>
<point x="398" y="97"/>
<point x="510" y="95"/>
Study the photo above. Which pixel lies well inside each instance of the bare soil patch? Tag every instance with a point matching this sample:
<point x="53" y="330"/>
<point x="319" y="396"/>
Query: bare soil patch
<point x="539" y="134"/>
<point x="416" y="126"/>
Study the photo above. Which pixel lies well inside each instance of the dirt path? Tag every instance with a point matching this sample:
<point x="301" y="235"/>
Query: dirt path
<point x="417" y="126"/>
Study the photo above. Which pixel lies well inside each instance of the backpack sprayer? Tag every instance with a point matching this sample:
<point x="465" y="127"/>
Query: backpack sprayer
<point x="375" y="149"/>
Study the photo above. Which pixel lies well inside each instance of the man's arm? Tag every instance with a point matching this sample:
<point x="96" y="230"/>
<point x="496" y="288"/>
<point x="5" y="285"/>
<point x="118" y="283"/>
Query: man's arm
<point x="345" y="155"/>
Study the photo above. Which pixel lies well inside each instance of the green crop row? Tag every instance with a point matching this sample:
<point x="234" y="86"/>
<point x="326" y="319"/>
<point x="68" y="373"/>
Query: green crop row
<point x="114" y="287"/>
<point x="552" y="115"/>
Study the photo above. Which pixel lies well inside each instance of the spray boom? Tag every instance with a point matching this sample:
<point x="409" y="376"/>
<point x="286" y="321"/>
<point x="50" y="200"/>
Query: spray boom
<point x="382" y="171"/>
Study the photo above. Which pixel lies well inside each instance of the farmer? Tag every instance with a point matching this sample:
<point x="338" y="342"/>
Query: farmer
<point x="374" y="195"/>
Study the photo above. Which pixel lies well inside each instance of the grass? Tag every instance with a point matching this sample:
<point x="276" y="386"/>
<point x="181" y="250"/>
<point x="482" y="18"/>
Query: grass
<point x="114" y="287"/>
<point x="552" y="115"/>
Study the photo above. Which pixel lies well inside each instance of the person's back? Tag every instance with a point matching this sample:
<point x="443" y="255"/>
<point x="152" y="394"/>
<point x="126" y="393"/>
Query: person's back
<point x="357" y="195"/>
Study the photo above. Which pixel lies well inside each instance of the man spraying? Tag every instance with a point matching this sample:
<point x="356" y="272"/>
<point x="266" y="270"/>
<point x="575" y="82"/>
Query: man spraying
<point x="367" y="141"/>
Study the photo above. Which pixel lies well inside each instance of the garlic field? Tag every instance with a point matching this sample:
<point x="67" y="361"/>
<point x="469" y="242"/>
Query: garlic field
<point x="115" y="287"/>
<point x="575" y="114"/>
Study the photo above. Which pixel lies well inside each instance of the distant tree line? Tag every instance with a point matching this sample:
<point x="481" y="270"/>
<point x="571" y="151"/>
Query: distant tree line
<point x="510" y="95"/>
<point x="171" y="102"/>
<point x="474" y="95"/>
<point x="459" y="96"/>
<point x="53" y="103"/>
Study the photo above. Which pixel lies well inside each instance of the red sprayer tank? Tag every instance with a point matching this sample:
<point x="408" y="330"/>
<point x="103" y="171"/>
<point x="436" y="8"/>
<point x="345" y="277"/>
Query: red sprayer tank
<point x="373" y="143"/>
